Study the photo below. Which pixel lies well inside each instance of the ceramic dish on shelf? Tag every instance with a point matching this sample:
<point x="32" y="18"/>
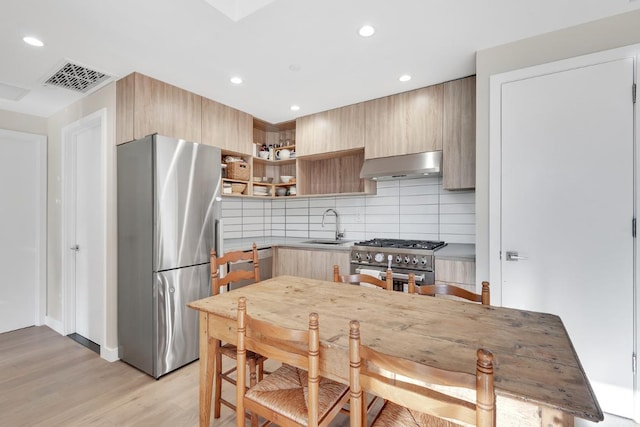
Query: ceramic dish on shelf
<point x="286" y="178"/>
<point x="281" y="191"/>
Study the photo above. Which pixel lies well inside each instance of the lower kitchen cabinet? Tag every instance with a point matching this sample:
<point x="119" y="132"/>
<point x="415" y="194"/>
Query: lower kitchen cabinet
<point x="311" y="263"/>
<point x="456" y="272"/>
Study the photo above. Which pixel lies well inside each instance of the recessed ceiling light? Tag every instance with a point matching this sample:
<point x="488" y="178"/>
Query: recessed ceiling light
<point x="295" y="107"/>
<point x="366" y="31"/>
<point x="236" y="80"/>
<point x="404" y="78"/>
<point x="33" y="41"/>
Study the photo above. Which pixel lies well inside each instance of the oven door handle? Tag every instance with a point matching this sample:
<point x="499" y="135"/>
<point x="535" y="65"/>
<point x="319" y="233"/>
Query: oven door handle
<point x="400" y="276"/>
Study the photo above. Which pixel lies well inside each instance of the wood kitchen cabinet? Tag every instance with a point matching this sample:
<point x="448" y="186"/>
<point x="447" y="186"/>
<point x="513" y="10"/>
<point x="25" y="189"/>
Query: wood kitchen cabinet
<point x="145" y="105"/>
<point x="459" y="134"/>
<point x="456" y="272"/>
<point x="226" y="127"/>
<point x="409" y="122"/>
<point x="311" y="263"/>
<point x="331" y="131"/>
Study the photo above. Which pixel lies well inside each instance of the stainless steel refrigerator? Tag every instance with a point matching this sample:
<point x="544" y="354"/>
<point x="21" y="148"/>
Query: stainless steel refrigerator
<point x="168" y="221"/>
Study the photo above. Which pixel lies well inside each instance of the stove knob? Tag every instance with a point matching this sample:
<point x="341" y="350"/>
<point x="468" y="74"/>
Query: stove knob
<point x="423" y="261"/>
<point x="398" y="259"/>
<point x="406" y="260"/>
<point x="379" y="257"/>
<point x="358" y="256"/>
<point x="414" y="260"/>
<point x="368" y="257"/>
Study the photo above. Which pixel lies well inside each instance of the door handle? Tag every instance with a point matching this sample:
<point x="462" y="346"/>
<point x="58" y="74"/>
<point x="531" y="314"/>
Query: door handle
<point x="513" y="256"/>
<point x="75" y="248"/>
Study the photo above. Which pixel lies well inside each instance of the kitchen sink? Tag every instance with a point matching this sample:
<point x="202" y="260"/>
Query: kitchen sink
<point x="327" y="241"/>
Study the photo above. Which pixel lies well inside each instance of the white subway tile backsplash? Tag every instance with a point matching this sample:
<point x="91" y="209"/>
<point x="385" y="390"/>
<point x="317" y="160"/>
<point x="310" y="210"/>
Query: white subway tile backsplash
<point x="382" y="201"/>
<point x="322" y="202"/>
<point x="409" y="228"/>
<point x="458" y="238"/>
<point x="419" y="190"/>
<point x="467" y="208"/>
<point x="432" y="181"/>
<point x="420" y="199"/>
<point x="458" y="219"/>
<point x="457" y="229"/>
<point x="252" y="220"/>
<point x="297" y="203"/>
<point x="447" y="197"/>
<point x="342" y="202"/>
<point x="407" y="209"/>
<point x="419" y="210"/>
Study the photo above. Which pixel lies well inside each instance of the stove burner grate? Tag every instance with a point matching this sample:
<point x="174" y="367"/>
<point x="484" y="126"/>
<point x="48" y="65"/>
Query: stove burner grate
<point x="400" y="243"/>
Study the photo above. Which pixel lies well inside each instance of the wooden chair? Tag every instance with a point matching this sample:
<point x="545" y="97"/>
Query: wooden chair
<point x="409" y="404"/>
<point x="255" y="361"/>
<point x="364" y="278"/>
<point x="280" y="397"/>
<point x="446" y="289"/>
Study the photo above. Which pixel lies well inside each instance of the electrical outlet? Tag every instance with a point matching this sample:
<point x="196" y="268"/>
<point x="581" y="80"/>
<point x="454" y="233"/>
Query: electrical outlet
<point x="358" y="216"/>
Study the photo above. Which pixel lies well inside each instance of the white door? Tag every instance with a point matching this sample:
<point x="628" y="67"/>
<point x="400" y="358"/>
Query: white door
<point x="85" y="228"/>
<point x="22" y="228"/>
<point x="567" y="204"/>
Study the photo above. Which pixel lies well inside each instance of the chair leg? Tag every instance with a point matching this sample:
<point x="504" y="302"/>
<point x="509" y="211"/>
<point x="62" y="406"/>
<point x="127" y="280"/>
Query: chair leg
<point x="253" y="380"/>
<point x="218" y="385"/>
<point x="261" y="370"/>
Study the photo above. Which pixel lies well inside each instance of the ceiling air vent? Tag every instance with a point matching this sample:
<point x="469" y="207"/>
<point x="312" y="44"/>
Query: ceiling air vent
<point x="76" y="77"/>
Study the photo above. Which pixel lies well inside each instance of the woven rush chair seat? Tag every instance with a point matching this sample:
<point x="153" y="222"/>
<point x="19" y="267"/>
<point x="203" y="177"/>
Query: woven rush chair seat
<point x="394" y="415"/>
<point x="285" y="390"/>
<point x="289" y="396"/>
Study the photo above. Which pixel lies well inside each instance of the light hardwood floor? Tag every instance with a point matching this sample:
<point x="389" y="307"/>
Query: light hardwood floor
<point x="50" y="380"/>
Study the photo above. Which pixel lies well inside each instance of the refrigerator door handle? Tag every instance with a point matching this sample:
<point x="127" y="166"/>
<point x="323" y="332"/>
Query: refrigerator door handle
<point x="218" y="244"/>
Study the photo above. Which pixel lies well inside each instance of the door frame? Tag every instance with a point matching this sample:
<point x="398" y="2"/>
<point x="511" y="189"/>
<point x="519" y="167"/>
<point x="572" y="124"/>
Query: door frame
<point x="69" y="136"/>
<point x="495" y="176"/>
<point x="40" y="290"/>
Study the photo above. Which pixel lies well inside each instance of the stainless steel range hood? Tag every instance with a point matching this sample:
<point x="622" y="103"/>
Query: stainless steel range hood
<point x="416" y="165"/>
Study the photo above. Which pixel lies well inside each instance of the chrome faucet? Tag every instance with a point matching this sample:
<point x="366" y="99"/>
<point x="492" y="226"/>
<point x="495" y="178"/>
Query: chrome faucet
<point x="339" y="234"/>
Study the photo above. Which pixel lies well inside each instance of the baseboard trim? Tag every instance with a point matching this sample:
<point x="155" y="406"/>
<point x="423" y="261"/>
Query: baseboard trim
<point x="54" y="324"/>
<point x="109" y="354"/>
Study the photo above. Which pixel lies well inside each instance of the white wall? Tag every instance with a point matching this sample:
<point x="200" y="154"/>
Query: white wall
<point x="617" y="31"/>
<point x="405" y="209"/>
<point x="103" y="98"/>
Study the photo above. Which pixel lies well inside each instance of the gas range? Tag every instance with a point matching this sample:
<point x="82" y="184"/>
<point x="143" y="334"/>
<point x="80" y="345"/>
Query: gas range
<point x="409" y="254"/>
<point x="402" y="256"/>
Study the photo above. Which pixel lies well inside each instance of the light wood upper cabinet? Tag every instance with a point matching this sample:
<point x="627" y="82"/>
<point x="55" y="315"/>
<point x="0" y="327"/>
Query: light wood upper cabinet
<point x="459" y="134"/>
<point x="330" y="131"/>
<point x="145" y="106"/>
<point x="226" y="127"/>
<point x="409" y="122"/>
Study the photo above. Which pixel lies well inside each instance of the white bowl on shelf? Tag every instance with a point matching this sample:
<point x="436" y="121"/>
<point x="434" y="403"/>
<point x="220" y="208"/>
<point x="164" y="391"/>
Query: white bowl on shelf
<point x="285" y="179"/>
<point x="281" y="191"/>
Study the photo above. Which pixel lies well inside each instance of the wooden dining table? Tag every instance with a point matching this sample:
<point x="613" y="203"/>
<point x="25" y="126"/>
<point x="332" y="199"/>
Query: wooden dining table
<point x="538" y="377"/>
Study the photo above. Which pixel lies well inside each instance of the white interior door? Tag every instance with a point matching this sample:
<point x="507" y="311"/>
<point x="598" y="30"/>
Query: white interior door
<point x="22" y="211"/>
<point x="567" y="204"/>
<point x="85" y="228"/>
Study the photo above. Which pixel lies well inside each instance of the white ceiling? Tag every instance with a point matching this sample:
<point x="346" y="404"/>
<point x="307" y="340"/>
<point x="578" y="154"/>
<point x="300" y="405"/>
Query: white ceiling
<point x="304" y="52"/>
